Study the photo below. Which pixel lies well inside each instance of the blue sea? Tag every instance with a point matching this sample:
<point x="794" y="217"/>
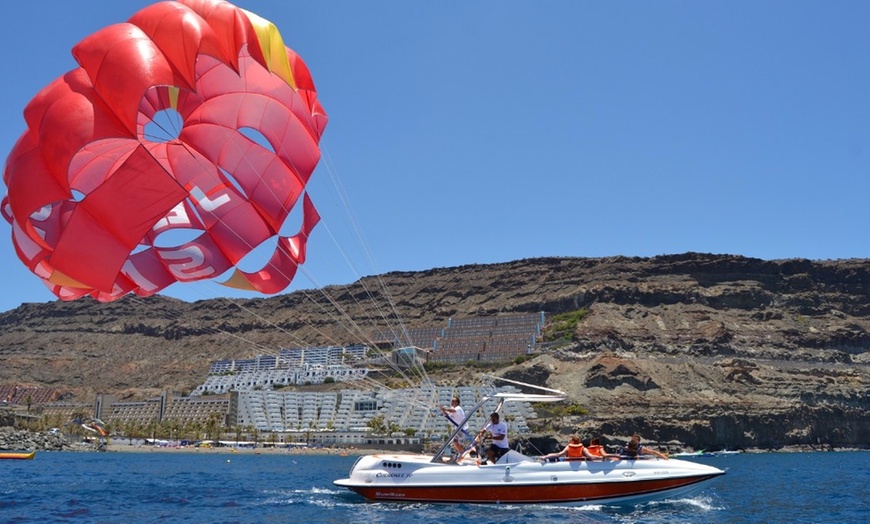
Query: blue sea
<point x="247" y="488"/>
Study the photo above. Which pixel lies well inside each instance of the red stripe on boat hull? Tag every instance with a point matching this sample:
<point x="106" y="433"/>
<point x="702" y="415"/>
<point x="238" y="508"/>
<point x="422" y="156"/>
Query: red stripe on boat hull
<point x="519" y="493"/>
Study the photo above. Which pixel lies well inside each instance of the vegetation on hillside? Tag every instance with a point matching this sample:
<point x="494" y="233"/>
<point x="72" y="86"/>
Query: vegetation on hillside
<point x="561" y="327"/>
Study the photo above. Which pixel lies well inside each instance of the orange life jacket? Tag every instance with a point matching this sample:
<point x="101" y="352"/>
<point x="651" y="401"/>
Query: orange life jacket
<point x="597" y="450"/>
<point x="575" y="451"/>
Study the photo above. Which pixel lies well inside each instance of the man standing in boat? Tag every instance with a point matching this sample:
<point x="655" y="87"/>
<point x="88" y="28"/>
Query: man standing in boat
<point x="456" y="414"/>
<point x="498" y="434"/>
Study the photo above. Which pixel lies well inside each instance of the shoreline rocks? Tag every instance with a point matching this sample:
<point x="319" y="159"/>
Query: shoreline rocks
<point x="12" y="439"/>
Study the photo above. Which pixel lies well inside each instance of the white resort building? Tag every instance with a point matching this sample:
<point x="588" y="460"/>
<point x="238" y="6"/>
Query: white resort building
<point x="252" y="393"/>
<point x="290" y="367"/>
<point x="415" y="409"/>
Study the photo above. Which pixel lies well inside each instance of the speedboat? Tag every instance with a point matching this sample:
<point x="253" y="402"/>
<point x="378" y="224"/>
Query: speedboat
<point x="517" y="478"/>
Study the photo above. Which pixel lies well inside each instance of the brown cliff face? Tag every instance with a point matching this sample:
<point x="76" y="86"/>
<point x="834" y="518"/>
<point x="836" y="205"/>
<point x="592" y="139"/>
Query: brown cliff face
<point x="711" y="350"/>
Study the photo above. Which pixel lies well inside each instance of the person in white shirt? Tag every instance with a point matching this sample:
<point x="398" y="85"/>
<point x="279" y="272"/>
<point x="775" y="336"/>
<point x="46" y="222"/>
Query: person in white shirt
<point x="457" y="415"/>
<point x="498" y="435"/>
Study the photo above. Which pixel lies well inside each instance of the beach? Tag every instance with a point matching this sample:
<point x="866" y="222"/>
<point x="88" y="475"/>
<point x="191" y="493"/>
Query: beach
<point x="124" y="446"/>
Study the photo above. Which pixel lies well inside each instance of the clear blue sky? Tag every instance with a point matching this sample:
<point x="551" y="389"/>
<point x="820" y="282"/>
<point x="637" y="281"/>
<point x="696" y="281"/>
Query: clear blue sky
<point x="481" y="132"/>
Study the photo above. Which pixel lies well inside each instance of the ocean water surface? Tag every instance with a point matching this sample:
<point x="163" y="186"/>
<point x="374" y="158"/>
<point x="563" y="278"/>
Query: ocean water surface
<point x="247" y="488"/>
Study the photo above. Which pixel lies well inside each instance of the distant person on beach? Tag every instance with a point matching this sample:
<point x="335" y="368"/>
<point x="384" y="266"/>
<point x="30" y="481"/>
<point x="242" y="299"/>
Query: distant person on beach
<point x="457" y="415"/>
<point x="575" y="450"/>
<point x="498" y="433"/>
<point x="634" y="449"/>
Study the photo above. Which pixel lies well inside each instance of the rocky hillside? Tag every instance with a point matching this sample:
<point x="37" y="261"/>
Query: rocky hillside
<point x="711" y="350"/>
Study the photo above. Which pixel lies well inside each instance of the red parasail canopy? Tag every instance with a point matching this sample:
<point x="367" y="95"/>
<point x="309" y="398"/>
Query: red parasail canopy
<point x="90" y="189"/>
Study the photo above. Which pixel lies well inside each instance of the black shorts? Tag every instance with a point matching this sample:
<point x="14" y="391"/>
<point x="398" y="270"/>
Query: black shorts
<point x="497" y="452"/>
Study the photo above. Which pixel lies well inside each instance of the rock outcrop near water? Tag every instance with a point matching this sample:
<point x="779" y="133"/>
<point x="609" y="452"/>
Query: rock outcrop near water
<point x="20" y="440"/>
<point x="711" y="350"/>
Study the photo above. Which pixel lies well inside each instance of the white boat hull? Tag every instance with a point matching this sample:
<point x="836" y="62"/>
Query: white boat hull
<point x="518" y="479"/>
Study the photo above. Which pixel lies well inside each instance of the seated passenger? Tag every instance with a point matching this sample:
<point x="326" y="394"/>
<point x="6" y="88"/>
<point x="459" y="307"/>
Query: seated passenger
<point x="596" y="449"/>
<point x="634" y="449"/>
<point x="573" y="451"/>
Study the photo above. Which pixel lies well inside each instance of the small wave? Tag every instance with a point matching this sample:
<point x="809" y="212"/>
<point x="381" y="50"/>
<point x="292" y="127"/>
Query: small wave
<point x="303" y="492"/>
<point x="703" y="502"/>
<point x="327" y="491"/>
<point x="314" y="496"/>
<point x="307" y="491"/>
<point x="330" y="503"/>
<point x="546" y="506"/>
<point x="588" y="507"/>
